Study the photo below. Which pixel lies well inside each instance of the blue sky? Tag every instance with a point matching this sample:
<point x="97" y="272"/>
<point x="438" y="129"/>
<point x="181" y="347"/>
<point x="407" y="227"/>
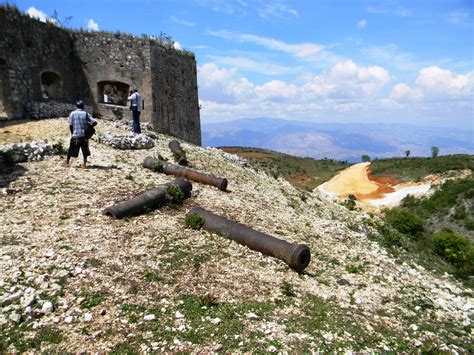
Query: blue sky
<point x="321" y="61"/>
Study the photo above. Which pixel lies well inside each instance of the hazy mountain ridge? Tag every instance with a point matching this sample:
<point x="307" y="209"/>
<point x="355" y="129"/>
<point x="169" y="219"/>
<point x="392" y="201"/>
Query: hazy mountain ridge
<point x="336" y="140"/>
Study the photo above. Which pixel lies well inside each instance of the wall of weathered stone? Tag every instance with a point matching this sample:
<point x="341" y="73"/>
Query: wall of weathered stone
<point x="175" y="98"/>
<point x="114" y="57"/>
<point x="28" y="48"/>
<point x="165" y="78"/>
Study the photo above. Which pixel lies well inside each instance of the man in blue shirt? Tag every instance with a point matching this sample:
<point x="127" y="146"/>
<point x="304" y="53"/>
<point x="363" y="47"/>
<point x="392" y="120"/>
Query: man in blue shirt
<point x="135" y="99"/>
<point x="79" y="121"/>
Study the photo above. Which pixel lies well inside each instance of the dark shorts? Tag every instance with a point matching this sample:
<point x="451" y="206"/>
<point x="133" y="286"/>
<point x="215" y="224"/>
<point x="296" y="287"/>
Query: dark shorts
<point x="76" y="144"/>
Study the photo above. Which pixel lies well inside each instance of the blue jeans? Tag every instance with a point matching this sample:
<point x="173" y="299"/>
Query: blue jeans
<point x="136" y="121"/>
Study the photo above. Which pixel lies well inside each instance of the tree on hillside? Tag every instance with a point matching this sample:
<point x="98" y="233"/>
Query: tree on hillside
<point x="407" y="153"/>
<point x="365" y="158"/>
<point x="434" y="152"/>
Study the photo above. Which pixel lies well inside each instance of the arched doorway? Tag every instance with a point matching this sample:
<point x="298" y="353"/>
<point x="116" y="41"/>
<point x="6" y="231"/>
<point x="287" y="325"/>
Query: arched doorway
<point x="4" y="88"/>
<point x="51" y="85"/>
<point x="112" y="92"/>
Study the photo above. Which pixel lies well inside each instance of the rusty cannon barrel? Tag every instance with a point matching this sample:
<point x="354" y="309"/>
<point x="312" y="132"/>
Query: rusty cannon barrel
<point x="152" y="199"/>
<point x="297" y="256"/>
<point x="172" y="169"/>
<point x="178" y="153"/>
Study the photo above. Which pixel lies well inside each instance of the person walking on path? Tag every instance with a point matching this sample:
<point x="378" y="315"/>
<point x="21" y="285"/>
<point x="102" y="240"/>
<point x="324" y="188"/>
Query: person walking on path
<point x="79" y="121"/>
<point x="135" y="100"/>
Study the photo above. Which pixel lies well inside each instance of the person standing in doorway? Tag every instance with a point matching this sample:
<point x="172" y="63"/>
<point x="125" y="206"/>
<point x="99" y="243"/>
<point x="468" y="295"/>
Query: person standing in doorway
<point x="135" y="100"/>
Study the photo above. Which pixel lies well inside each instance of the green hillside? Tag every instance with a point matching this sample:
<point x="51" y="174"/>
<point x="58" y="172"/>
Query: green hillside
<point x="304" y="173"/>
<point x="413" y="169"/>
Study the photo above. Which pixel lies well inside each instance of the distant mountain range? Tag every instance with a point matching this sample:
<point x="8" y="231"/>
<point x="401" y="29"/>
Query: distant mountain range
<point x="336" y="140"/>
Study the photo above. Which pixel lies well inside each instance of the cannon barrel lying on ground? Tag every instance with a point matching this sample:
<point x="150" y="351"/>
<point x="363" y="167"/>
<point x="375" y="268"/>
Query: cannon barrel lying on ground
<point x="150" y="199"/>
<point x="178" y="153"/>
<point x="297" y="256"/>
<point x="171" y="169"/>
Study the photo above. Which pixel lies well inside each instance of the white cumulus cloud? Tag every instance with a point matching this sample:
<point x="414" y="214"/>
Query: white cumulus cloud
<point x="362" y="23"/>
<point x="38" y="14"/>
<point x="402" y="93"/>
<point x="92" y="25"/>
<point x="442" y="81"/>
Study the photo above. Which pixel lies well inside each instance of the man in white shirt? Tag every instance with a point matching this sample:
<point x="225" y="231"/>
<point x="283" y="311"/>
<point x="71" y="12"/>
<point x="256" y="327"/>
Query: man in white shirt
<point x="135" y="99"/>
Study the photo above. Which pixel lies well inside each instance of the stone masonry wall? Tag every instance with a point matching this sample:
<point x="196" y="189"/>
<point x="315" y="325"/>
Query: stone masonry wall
<point x="165" y="78"/>
<point x="30" y="47"/>
<point x="115" y="57"/>
<point x="175" y="99"/>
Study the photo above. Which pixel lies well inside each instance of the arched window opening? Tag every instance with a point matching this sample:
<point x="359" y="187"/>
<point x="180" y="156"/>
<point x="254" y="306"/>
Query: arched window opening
<point x="113" y="92"/>
<point x="51" y="85"/>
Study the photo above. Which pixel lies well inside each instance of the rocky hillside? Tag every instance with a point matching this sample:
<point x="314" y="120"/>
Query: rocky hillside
<point x="73" y="279"/>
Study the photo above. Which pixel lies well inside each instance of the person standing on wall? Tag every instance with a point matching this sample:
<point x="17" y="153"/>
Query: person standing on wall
<point x="135" y="100"/>
<point x="80" y="123"/>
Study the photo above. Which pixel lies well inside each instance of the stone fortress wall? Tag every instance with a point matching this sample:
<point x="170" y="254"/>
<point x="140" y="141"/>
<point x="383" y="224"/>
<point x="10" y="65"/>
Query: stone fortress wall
<point x="44" y="69"/>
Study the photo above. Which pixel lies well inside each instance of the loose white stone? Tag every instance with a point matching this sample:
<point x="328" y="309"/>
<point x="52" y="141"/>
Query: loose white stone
<point x="179" y="315"/>
<point x="69" y="319"/>
<point x="29" y="297"/>
<point x="149" y="317"/>
<point x="252" y="316"/>
<point x="47" y="307"/>
<point x="88" y="317"/>
<point x="15" y="317"/>
<point x="216" y="321"/>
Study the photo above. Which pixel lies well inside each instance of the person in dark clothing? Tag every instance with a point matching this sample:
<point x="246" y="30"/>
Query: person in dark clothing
<point x="79" y="120"/>
<point x="135" y="99"/>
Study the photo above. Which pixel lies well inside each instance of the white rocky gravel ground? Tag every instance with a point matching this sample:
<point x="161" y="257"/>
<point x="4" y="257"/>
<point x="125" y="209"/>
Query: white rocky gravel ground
<point x="73" y="279"/>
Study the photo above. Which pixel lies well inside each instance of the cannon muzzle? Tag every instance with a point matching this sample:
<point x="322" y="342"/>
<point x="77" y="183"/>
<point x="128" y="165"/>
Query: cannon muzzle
<point x="297" y="256"/>
<point x="150" y="200"/>
<point x="178" y="153"/>
<point x="172" y="169"/>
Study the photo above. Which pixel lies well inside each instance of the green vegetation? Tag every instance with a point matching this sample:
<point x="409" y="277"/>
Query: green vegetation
<point x="434" y="230"/>
<point x="194" y="221"/>
<point x="176" y="193"/>
<point x="304" y="173"/>
<point x="17" y="336"/>
<point x="455" y="249"/>
<point x="434" y="152"/>
<point x="405" y="222"/>
<point x="8" y="157"/>
<point x="413" y="169"/>
<point x="92" y="299"/>
<point x="365" y="158"/>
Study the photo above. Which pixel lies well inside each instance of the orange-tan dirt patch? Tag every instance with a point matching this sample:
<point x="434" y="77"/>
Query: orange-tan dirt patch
<point x="355" y="180"/>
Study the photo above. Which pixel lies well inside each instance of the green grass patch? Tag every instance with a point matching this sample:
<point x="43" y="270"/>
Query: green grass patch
<point x="92" y="299"/>
<point x="413" y="169"/>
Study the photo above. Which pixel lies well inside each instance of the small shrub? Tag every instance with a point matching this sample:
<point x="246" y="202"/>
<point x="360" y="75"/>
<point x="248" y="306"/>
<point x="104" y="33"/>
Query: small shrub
<point x="92" y="299"/>
<point x="349" y="204"/>
<point x="60" y="147"/>
<point x="8" y="157"/>
<point x="287" y="290"/>
<point x="176" y="193"/>
<point x="453" y="248"/>
<point x="469" y="224"/>
<point x="390" y="238"/>
<point x="157" y="167"/>
<point x="194" y="221"/>
<point x="460" y="213"/>
<point x="354" y="269"/>
<point x="405" y="222"/>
